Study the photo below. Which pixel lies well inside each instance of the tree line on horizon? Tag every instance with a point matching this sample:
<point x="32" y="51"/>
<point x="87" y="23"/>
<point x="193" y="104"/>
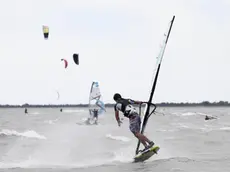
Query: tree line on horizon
<point x="163" y="104"/>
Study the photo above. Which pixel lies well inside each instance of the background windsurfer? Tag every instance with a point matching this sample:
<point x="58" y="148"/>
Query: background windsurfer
<point x="95" y="115"/>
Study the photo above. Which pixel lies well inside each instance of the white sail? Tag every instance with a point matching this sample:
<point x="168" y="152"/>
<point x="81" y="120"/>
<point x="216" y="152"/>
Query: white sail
<point x="156" y="72"/>
<point x="95" y="99"/>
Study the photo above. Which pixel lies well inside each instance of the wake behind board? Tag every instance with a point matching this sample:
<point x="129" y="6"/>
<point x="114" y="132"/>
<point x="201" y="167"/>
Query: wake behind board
<point x="87" y="122"/>
<point x="142" y="156"/>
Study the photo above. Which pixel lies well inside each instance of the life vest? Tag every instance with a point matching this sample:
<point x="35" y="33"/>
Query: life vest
<point x="125" y="106"/>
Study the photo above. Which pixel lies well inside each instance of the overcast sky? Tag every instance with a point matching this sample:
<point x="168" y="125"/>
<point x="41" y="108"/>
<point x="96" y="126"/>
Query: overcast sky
<point x="117" y="42"/>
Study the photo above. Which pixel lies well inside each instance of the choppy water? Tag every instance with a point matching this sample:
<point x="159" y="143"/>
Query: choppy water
<point x="49" y="140"/>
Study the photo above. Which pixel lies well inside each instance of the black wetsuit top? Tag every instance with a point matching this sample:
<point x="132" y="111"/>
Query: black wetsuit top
<point x="125" y="106"/>
<point x="95" y="113"/>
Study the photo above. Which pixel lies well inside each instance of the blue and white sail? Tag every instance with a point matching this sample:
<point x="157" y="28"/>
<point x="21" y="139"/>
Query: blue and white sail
<point x="95" y="99"/>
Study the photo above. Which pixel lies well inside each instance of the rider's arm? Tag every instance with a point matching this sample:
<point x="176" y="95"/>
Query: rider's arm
<point x="134" y="101"/>
<point x="117" y="116"/>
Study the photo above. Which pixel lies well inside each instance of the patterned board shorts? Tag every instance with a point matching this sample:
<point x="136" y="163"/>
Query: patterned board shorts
<point x="135" y="124"/>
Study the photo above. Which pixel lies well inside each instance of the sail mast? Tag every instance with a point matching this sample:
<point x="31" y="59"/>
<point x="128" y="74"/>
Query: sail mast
<point x="160" y="57"/>
<point x="91" y="88"/>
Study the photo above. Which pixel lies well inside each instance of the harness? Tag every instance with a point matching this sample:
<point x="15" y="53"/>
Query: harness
<point x="126" y="107"/>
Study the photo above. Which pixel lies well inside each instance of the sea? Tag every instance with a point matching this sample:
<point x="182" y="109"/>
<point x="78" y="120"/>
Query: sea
<point x="48" y="140"/>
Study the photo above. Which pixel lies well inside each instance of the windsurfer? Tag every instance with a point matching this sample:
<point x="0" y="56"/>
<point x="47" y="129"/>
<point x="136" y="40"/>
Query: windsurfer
<point x="125" y="106"/>
<point x="95" y="115"/>
<point x="209" y="117"/>
<point x="26" y="111"/>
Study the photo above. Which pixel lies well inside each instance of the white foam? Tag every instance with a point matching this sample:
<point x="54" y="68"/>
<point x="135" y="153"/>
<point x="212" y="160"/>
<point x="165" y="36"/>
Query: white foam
<point x="32" y="113"/>
<point x="28" y="134"/>
<point x="123" y="155"/>
<point x="225" y="128"/>
<point x="188" y="114"/>
<point x="73" y="110"/>
<point x="50" y="121"/>
<point x="119" y="138"/>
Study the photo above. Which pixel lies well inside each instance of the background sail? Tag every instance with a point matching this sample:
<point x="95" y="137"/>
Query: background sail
<point x="76" y="59"/>
<point x="45" y="31"/>
<point x="95" y="99"/>
<point x="58" y="95"/>
<point x="66" y="62"/>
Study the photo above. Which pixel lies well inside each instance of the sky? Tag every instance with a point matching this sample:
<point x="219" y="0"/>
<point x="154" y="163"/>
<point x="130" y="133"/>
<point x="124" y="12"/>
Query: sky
<point x="117" y="42"/>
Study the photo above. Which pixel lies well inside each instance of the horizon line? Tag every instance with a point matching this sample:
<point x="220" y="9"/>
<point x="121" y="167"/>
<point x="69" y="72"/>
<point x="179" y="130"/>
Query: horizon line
<point x="111" y="104"/>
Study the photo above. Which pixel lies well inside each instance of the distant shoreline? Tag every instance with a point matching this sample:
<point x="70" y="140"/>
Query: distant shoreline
<point x="164" y="104"/>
